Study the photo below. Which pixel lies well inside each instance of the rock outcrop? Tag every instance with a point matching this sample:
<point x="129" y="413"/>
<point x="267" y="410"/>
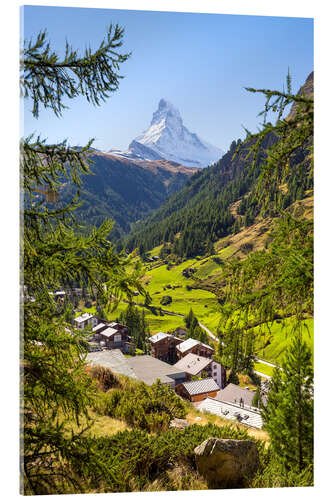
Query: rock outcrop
<point x="227" y="463"/>
<point x="178" y="423"/>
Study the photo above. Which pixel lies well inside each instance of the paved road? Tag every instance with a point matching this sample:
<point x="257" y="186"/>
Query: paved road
<point x="266" y="363"/>
<point x="263" y="375"/>
<point x="208" y="331"/>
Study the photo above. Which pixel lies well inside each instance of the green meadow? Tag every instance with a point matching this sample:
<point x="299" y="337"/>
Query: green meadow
<point x="163" y="280"/>
<point x="280" y="333"/>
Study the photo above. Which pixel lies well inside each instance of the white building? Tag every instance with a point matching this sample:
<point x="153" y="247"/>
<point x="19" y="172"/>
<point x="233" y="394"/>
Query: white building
<point x="195" y="365"/>
<point x="84" y="320"/>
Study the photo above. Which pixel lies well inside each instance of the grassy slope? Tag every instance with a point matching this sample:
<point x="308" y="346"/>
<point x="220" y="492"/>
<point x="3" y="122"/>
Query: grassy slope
<point x="204" y="304"/>
<point x="280" y="334"/>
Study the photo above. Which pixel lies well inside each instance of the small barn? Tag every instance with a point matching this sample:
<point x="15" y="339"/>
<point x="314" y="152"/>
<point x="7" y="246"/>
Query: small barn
<point x="198" y="390"/>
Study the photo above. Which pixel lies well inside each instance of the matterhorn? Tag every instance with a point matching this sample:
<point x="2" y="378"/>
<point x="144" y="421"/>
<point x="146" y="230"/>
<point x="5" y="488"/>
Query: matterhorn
<point x="168" y="139"/>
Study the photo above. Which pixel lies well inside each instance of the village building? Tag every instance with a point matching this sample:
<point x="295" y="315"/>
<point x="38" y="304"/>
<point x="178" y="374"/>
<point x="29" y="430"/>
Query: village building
<point x="234" y="394"/>
<point x="85" y="320"/>
<point x="112" y="336"/>
<point x="246" y="415"/>
<point x="163" y="346"/>
<point x="197" y="390"/>
<point x="195" y="347"/>
<point x="113" y="360"/>
<point x="199" y="366"/>
<point x="144" y="368"/>
<point x="149" y="369"/>
<point x="180" y="332"/>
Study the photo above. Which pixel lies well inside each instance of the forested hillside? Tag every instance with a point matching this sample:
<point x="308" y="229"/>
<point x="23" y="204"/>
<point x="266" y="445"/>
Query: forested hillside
<point x="124" y="190"/>
<point x="200" y="213"/>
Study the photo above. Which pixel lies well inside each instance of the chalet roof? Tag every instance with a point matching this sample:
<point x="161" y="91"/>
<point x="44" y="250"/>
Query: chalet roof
<point x="232" y="393"/>
<point x="113" y="359"/>
<point x="189" y="343"/>
<point x="108" y="332"/>
<point x="83" y="317"/>
<point x="201" y="386"/>
<point x="149" y="369"/>
<point x="158" y="336"/>
<point x="192" y="363"/>
<point x="248" y="416"/>
<point x="99" y="327"/>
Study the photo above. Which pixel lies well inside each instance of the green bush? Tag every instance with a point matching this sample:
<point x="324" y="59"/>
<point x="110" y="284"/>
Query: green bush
<point x="143" y="407"/>
<point x="139" y="458"/>
<point x="105" y="377"/>
<point x="166" y="300"/>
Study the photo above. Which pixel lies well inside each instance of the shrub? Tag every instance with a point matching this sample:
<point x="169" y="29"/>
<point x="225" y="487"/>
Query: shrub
<point x="143" y="407"/>
<point x="105" y="377"/>
<point x="166" y="300"/>
<point x="140" y="458"/>
<point x="246" y="247"/>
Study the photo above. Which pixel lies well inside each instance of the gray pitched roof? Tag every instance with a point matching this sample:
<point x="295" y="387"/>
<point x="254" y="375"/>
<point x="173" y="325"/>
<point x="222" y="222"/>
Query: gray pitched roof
<point x="83" y="317"/>
<point x="192" y="363"/>
<point x="161" y="335"/>
<point x="108" y="332"/>
<point x="100" y="326"/>
<point x="201" y="386"/>
<point x="149" y="369"/>
<point x="189" y="343"/>
<point x="232" y="393"/>
<point x="114" y="360"/>
<point x="158" y="336"/>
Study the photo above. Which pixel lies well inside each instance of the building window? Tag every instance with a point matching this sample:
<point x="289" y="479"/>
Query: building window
<point x="117" y="338"/>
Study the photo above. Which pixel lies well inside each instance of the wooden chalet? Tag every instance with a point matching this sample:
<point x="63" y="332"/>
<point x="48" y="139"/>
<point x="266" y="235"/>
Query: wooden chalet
<point x="195" y="347"/>
<point x="163" y="346"/>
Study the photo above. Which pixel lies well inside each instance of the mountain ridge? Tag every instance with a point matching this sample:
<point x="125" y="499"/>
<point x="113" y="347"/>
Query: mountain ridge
<point x="125" y="190"/>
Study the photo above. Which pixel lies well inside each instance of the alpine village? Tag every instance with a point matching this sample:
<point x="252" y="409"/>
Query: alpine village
<point x="167" y="294"/>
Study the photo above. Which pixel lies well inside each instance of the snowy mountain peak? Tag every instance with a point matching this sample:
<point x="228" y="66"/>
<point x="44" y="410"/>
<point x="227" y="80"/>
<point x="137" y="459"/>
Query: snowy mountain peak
<point x="167" y="138"/>
<point x="167" y="112"/>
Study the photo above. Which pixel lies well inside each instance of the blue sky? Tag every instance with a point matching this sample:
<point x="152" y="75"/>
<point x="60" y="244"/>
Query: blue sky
<point x="199" y="62"/>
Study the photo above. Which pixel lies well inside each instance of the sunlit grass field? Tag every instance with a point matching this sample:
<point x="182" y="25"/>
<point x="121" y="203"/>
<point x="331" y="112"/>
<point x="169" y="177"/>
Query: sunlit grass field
<point x="280" y="334"/>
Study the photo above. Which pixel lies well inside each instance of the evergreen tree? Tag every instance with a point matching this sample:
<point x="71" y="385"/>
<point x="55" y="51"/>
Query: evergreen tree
<point x="288" y="415"/>
<point x="56" y="389"/>
<point x="189" y="319"/>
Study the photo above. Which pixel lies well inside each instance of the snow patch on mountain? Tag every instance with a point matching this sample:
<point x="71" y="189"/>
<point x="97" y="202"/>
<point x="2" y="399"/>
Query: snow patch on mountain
<point x="168" y="138"/>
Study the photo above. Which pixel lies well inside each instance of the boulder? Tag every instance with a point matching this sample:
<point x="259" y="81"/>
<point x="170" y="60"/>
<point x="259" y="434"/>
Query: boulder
<point x="227" y="463"/>
<point x="178" y="423"/>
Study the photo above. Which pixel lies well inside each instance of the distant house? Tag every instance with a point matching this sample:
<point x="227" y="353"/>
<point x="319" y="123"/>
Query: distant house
<point x="112" y="335"/>
<point x="180" y="332"/>
<point x="163" y="346"/>
<point x="102" y="325"/>
<point x="195" y="347"/>
<point x="85" y="320"/>
<point x="197" y="390"/>
<point x="195" y="365"/>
